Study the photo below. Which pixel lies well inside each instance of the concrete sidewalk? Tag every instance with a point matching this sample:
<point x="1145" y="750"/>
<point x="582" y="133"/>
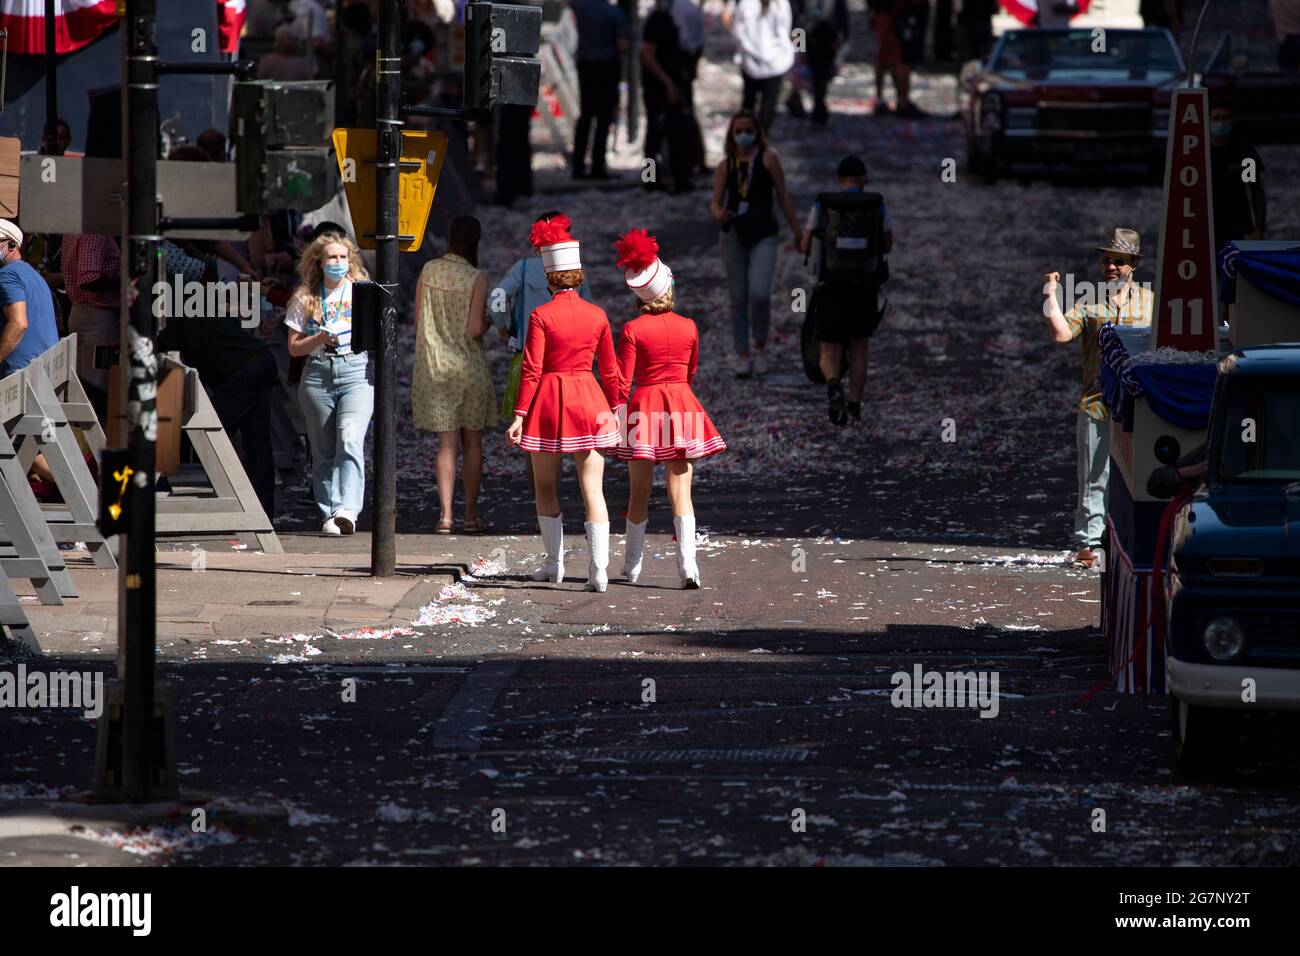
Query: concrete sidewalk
<point x="215" y="589"/>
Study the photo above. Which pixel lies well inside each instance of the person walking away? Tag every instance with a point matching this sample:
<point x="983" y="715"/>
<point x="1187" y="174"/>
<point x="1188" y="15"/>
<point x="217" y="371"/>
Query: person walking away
<point x="337" y="384"/>
<point x="1286" y="23"/>
<point x="661" y="91"/>
<point x="659" y="352"/>
<point x="451" y="389"/>
<point x="856" y="234"/>
<point x="1240" y="206"/>
<point x="92" y="274"/>
<point x="765" y="53"/>
<point x="975" y="29"/>
<point x="602" y="39"/>
<point x="514" y="154"/>
<point x="561" y="408"/>
<point x="29" y="324"/>
<point x="888" y="55"/>
<point x="828" y="31"/>
<point x="909" y="21"/>
<point x="522" y="290"/>
<point x="690" y="34"/>
<point x="747" y="186"/>
<point x="239" y="373"/>
<point x="1122" y="302"/>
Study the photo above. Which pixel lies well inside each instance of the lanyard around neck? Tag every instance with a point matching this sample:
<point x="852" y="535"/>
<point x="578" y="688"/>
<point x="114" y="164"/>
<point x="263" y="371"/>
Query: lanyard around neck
<point x="325" y="305"/>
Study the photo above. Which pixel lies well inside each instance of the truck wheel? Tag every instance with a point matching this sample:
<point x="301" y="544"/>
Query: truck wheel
<point x="1202" y="739"/>
<point x="990" y="168"/>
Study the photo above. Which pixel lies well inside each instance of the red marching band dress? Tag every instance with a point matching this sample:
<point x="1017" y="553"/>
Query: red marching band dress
<point x="660" y="353"/>
<point x="563" y="406"/>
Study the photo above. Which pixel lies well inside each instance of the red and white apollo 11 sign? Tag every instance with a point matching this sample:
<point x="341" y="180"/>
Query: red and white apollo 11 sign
<point x="1186" y="287"/>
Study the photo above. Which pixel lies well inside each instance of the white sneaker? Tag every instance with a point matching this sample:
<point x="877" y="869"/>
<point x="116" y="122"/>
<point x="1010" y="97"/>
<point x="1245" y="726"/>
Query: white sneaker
<point x="760" y="363"/>
<point x="742" y="366"/>
<point x="346" y="521"/>
<point x="330" y="527"/>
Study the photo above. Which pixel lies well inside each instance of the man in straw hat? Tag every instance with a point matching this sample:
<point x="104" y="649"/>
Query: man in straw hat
<point x="1121" y="301"/>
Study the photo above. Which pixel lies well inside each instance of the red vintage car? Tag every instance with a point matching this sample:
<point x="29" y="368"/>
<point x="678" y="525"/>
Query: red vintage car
<point x="1071" y="98"/>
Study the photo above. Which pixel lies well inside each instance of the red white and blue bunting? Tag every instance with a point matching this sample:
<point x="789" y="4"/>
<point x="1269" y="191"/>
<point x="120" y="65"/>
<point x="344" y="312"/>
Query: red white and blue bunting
<point x="1135" y="648"/>
<point x="77" y="23"/>
<point x="1026" y="10"/>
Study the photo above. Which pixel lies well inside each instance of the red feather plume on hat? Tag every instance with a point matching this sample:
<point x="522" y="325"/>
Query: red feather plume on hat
<point x="637" y="249"/>
<point x="548" y="232"/>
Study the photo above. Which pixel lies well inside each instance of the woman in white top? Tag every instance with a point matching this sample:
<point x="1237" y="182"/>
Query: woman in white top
<point x="337" y="390"/>
<point x="766" y="53"/>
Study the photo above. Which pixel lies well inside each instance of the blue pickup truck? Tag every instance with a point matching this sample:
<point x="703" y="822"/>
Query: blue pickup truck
<point x="1232" y="637"/>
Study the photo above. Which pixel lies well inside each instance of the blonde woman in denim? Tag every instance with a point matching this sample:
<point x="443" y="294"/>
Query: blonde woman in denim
<point x="337" y="392"/>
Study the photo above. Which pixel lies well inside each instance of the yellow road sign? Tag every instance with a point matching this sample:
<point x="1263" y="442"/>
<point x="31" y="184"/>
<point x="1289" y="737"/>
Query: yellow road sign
<point x="422" y="154"/>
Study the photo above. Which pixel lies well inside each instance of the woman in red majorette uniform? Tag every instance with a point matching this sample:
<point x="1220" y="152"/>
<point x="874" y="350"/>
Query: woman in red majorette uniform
<point x="659" y="351"/>
<point x="562" y="409"/>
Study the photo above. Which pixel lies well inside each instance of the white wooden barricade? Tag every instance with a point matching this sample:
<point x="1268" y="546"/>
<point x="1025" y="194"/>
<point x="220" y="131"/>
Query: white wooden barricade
<point x="46" y="428"/>
<point x="233" y="506"/>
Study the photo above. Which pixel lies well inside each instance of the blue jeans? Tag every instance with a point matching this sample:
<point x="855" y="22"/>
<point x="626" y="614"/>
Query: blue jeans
<point x="338" y="394"/>
<point x="1092" y="442"/>
<point x="749" y="286"/>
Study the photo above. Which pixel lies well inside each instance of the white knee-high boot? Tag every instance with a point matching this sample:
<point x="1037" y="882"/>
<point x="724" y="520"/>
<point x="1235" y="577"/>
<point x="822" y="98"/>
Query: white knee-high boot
<point x="553" y="538"/>
<point x="687" y="570"/>
<point x="633" y="544"/>
<point x="598" y="548"/>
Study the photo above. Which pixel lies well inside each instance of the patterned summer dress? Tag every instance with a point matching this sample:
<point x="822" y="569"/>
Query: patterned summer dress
<point x="452" y="386"/>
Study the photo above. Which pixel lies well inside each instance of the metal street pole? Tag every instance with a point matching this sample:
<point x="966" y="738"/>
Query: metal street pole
<point x="137" y="597"/>
<point x="388" y="123"/>
<point x="342" y="87"/>
<point x="51" y="70"/>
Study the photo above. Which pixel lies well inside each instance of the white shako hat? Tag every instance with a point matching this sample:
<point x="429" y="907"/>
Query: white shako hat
<point x="644" y="272"/>
<point x="559" y="250"/>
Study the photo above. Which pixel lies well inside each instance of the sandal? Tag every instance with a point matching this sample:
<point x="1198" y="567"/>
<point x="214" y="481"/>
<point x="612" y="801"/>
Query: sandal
<point x="443" y="528"/>
<point x="479" y="526"/>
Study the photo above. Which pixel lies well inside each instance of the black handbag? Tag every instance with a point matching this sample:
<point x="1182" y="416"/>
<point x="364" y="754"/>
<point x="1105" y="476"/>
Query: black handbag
<point x="810" y="343"/>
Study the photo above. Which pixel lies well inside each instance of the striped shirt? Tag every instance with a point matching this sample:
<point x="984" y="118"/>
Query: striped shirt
<point x="1085" y="320"/>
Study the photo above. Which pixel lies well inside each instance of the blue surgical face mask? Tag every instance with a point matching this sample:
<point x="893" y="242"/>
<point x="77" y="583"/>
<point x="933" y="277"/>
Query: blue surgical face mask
<point x="1221" y="130"/>
<point x="336" y="270"/>
<point x="746" y="140"/>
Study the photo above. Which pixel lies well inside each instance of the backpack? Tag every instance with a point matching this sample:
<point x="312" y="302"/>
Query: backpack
<point x="852" y="236"/>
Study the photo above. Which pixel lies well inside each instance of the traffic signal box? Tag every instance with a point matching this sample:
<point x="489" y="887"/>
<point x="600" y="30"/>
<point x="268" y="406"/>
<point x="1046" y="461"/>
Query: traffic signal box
<point x="501" y="64"/>
<point x="282" y="133"/>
